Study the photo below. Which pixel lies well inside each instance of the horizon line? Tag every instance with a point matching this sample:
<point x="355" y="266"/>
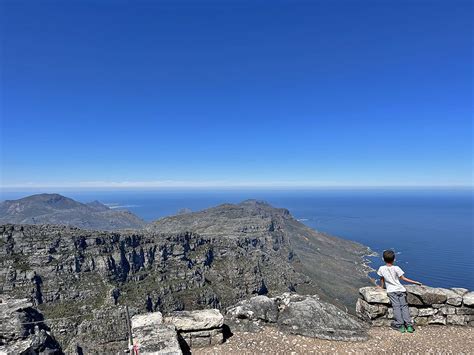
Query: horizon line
<point x="172" y="185"/>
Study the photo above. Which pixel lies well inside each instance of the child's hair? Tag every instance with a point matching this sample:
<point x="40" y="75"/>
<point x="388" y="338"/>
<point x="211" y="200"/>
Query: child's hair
<point x="388" y="256"/>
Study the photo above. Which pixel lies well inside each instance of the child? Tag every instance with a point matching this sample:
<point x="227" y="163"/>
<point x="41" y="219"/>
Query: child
<point x="390" y="275"/>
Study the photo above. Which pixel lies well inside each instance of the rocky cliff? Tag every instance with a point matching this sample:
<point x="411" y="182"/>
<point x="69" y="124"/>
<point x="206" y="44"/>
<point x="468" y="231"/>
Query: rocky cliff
<point x="333" y="266"/>
<point x="57" y="209"/>
<point x="210" y="259"/>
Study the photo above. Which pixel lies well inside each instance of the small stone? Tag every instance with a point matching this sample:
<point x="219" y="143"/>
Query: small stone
<point x="468" y="299"/>
<point x="421" y="320"/>
<point x="423" y="312"/>
<point x="455" y="319"/>
<point x="465" y="310"/>
<point x="437" y="319"/>
<point x="447" y="310"/>
<point x="381" y="322"/>
<point x="453" y="298"/>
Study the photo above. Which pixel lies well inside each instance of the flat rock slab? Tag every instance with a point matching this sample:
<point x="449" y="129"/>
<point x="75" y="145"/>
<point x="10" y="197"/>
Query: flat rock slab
<point x="145" y="320"/>
<point x="428" y="295"/>
<point x="374" y="295"/>
<point x="195" y="320"/>
<point x="153" y="337"/>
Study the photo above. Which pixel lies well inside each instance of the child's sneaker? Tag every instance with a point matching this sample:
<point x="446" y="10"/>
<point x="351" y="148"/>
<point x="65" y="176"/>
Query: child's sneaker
<point x="402" y="329"/>
<point x="410" y="329"/>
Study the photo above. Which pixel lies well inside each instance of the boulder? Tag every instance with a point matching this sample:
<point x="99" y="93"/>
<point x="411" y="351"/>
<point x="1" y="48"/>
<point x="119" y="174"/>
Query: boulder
<point x="309" y="316"/>
<point x="298" y="314"/>
<point x="257" y="308"/>
<point x="374" y="295"/>
<point x="23" y="330"/>
<point x="468" y="299"/>
<point x="153" y="337"/>
<point x="428" y="295"/>
<point x="195" y="320"/>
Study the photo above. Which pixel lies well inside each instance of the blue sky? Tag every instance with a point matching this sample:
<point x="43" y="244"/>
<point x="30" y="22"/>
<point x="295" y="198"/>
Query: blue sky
<point x="236" y="93"/>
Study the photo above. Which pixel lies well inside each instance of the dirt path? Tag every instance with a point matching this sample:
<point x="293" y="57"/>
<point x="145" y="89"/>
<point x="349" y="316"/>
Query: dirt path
<point x="433" y="339"/>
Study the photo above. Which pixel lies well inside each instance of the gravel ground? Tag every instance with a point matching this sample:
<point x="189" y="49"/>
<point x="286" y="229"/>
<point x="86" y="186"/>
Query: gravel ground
<point x="432" y="339"/>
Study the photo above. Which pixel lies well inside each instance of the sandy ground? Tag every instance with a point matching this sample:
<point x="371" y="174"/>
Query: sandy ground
<point x="432" y="339"/>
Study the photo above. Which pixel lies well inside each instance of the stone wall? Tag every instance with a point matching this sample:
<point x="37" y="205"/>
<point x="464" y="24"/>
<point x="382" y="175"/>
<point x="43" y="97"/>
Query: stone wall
<point x="428" y="305"/>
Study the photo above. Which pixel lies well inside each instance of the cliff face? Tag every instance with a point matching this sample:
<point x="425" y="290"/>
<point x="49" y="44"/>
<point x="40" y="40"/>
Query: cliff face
<point x="210" y="259"/>
<point x="333" y="265"/>
<point x="70" y="272"/>
<point x="57" y="209"/>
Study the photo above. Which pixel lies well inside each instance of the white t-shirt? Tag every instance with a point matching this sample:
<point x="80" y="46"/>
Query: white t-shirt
<point x="391" y="276"/>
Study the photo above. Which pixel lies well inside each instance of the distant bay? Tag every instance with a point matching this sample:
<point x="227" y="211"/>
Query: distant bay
<point x="430" y="229"/>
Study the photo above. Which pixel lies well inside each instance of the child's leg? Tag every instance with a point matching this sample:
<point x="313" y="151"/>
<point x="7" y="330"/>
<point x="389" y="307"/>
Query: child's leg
<point x="397" y="311"/>
<point x="405" y="310"/>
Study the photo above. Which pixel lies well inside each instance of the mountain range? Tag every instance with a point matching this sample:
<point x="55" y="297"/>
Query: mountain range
<point x="194" y="260"/>
<point x="61" y="210"/>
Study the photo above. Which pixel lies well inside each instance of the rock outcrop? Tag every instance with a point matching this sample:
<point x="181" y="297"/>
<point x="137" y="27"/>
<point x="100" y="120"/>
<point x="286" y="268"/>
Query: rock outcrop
<point x="321" y="258"/>
<point x="57" y="209"/>
<point x="428" y="305"/>
<point x="23" y="329"/>
<point x="198" y="328"/>
<point x="151" y="336"/>
<point x="296" y="314"/>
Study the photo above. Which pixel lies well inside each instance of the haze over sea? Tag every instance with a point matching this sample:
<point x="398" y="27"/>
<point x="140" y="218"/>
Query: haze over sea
<point x="431" y="230"/>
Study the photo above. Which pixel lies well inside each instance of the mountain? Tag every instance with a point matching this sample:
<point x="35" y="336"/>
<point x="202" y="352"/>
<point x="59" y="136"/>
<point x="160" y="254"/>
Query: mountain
<point x="57" y="209"/>
<point x="208" y="259"/>
<point x="334" y="266"/>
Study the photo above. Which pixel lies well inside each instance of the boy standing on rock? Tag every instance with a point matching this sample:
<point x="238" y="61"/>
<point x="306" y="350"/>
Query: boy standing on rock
<point x="390" y="276"/>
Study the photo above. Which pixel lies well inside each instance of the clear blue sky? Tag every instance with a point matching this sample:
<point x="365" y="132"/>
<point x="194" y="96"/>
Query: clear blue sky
<point x="152" y="93"/>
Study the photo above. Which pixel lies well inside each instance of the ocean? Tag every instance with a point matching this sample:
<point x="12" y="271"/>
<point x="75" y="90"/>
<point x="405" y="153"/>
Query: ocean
<point x="430" y="230"/>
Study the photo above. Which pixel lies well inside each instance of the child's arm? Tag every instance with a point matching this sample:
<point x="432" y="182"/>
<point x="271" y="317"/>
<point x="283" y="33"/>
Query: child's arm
<point x="382" y="282"/>
<point x="409" y="280"/>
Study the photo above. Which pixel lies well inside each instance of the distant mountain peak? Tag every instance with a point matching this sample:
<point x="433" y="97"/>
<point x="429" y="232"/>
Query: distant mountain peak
<point x="58" y="209"/>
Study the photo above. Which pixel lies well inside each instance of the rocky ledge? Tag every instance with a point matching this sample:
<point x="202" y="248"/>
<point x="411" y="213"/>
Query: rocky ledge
<point x="428" y="305"/>
<point x="296" y="314"/>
